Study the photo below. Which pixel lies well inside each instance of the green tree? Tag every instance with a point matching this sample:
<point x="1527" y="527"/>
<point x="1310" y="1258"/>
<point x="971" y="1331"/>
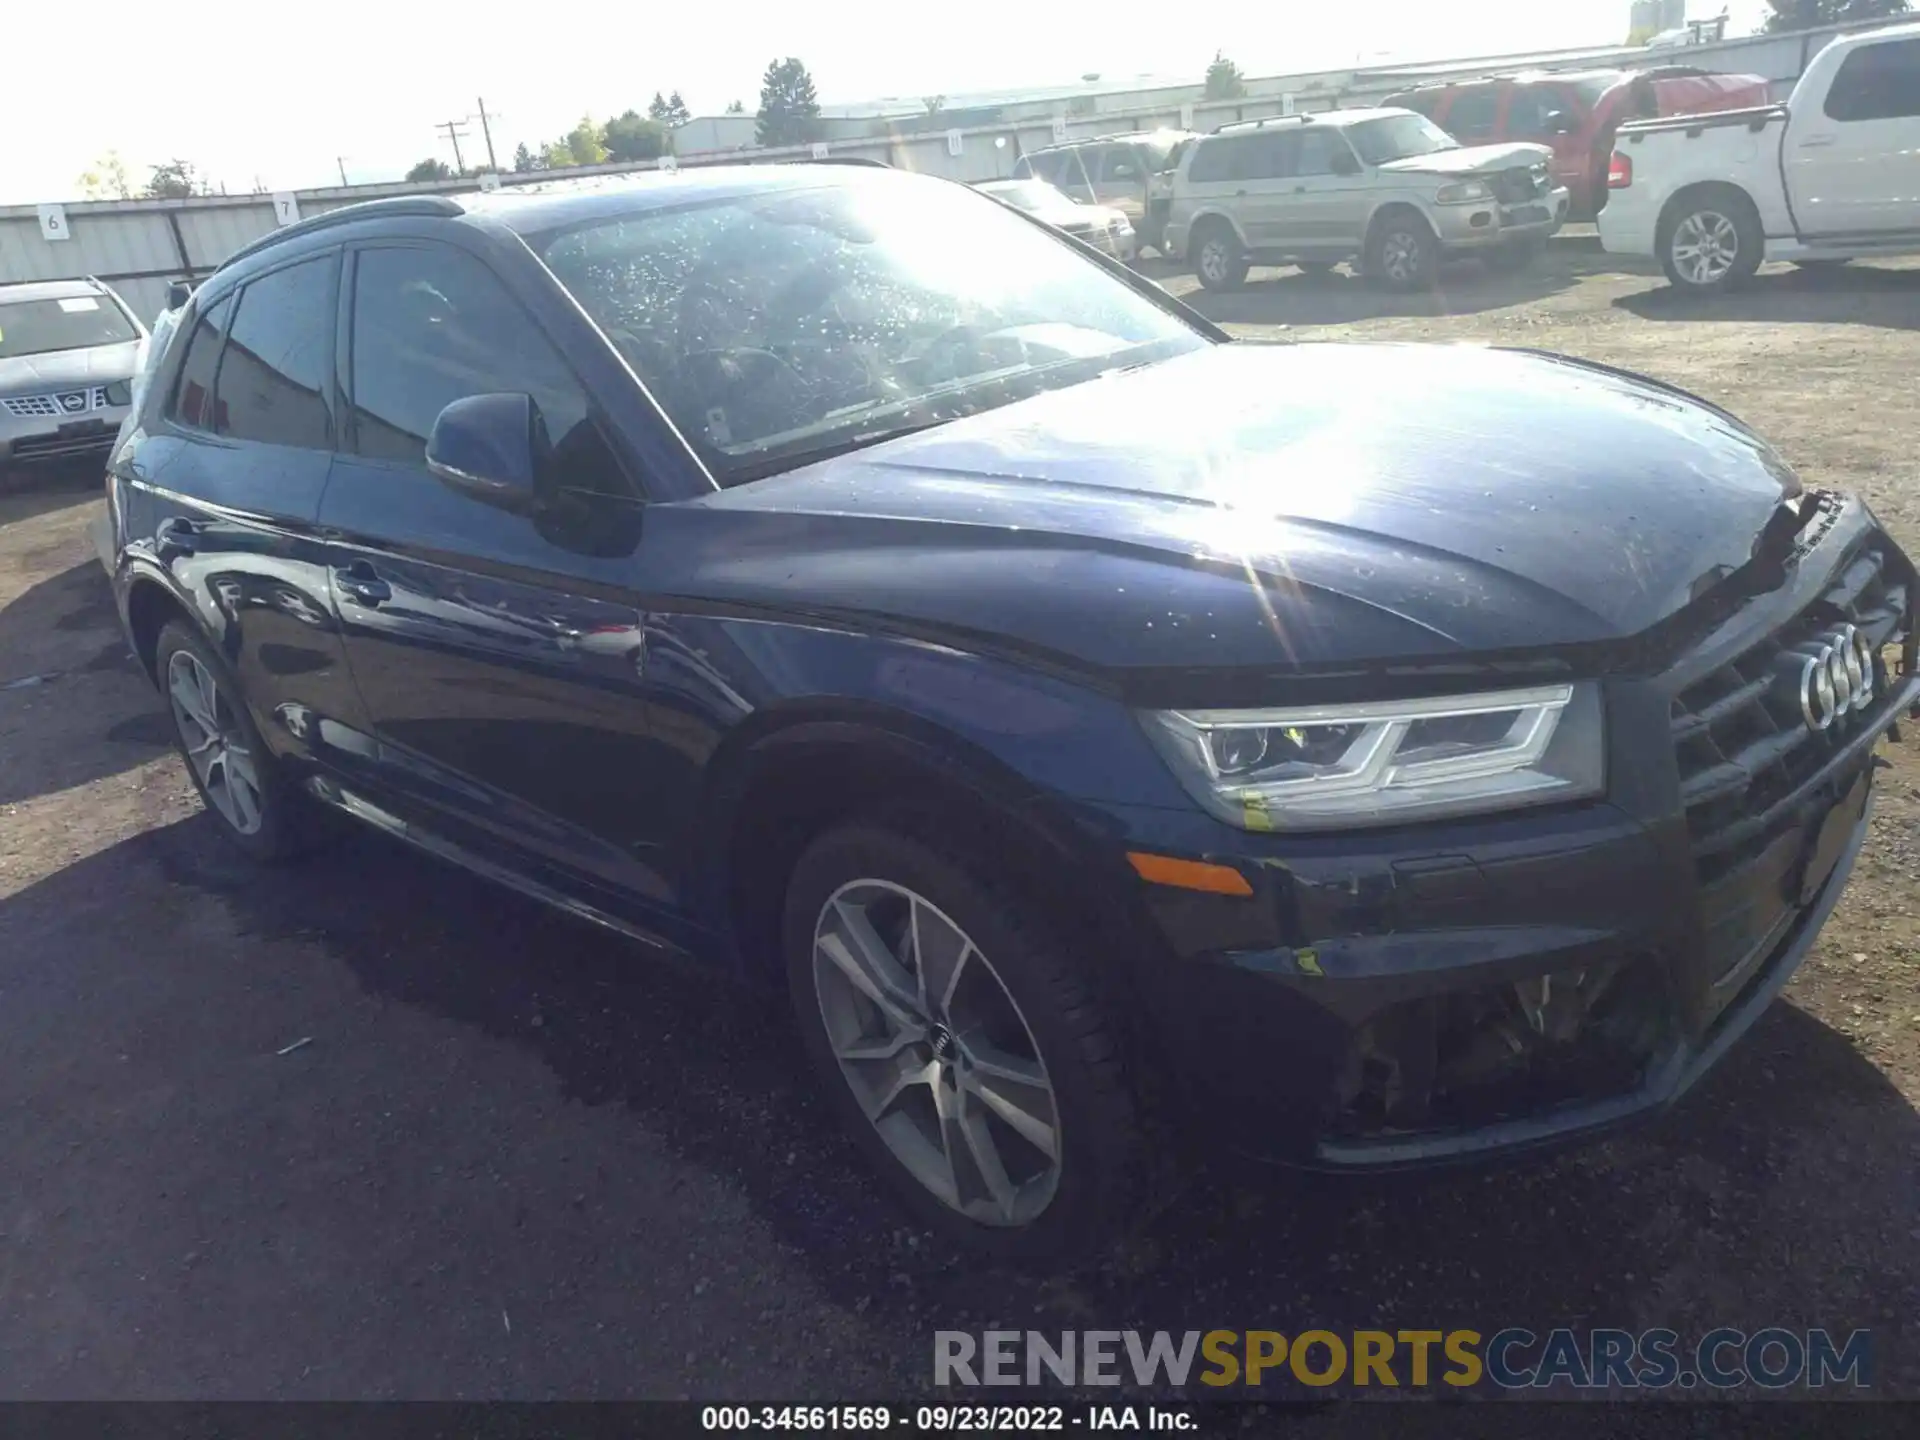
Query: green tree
<point x="1806" y="14"/>
<point x="657" y="108"/>
<point x="107" y="179"/>
<point x="524" y="159"/>
<point x="1223" y="79"/>
<point x="634" y="137"/>
<point x="175" y="180"/>
<point x="585" y="144"/>
<point x="735" y="107"/>
<point x="789" y="110"/>
<point x="429" y="170"/>
<point x="677" y="112"/>
<point x="556" y="155"/>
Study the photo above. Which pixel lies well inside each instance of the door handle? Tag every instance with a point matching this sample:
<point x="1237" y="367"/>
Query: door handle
<point x="360" y="584"/>
<point x="176" y="536"/>
<point x="1817" y="142"/>
<point x="1299" y="189"/>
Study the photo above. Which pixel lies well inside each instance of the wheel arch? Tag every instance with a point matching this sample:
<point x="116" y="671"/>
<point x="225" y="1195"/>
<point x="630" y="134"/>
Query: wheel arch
<point x="788" y="776"/>
<point x="1214" y="215"/>
<point x="1389" y="210"/>
<point x="150" y="605"/>
<point x="1692" y="193"/>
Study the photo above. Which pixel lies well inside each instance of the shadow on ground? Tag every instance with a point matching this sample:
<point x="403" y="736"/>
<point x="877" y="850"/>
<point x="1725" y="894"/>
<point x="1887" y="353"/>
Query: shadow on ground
<point x="1284" y="295"/>
<point x="61" y="646"/>
<point x="1826" y="295"/>
<point x="1779" y="1193"/>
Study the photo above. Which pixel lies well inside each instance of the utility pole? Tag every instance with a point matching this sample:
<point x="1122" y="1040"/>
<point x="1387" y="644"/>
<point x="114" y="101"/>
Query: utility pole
<point x="341" y="161"/>
<point x="455" y="129"/>
<point x="487" y="131"/>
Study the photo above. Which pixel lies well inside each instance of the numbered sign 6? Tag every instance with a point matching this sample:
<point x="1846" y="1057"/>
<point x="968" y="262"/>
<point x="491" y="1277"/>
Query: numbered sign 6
<point x="53" y="222"/>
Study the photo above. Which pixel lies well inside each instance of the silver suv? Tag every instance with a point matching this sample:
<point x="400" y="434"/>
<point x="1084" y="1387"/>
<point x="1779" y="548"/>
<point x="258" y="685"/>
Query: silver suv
<point x="1386" y="187"/>
<point x="68" y="352"/>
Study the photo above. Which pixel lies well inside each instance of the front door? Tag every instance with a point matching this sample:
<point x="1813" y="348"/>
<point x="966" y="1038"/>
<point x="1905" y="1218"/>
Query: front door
<point x="1853" y="167"/>
<point x="500" y="655"/>
<point x="1120" y="181"/>
<point x="1325" y="211"/>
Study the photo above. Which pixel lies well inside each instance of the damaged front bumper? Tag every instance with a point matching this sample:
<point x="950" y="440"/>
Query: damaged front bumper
<point x="1409" y="997"/>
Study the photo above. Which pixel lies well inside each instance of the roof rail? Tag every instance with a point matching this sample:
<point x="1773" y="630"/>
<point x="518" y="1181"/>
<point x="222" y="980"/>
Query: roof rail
<point x="398" y="206"/>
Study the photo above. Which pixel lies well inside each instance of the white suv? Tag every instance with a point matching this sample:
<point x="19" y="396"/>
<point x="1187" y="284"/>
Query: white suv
<point x="1386" y="187"/>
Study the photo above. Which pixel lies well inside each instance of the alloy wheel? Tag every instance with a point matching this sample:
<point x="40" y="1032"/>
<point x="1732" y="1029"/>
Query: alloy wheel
<point x="1706" y="247"/>
<point x="1214" y="261"/>
<point x="937" y="1053"/>
<point x="1400" y="256"/>
<point x="217" y="747"/>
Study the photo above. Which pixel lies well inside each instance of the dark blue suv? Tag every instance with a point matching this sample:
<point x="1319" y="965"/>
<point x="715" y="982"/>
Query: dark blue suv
<point x="1113" y="737"/>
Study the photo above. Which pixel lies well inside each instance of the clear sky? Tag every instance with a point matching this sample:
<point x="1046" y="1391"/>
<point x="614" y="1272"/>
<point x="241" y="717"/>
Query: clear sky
<point x="283" y="95"/>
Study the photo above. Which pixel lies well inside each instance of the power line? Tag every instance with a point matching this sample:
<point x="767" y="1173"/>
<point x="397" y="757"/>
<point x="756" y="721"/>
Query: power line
<point x="455" y="129"/>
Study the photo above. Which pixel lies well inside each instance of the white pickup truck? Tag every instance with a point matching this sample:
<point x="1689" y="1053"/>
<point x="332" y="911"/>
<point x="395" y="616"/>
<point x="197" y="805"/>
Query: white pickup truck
<point x="1830" y="176"/>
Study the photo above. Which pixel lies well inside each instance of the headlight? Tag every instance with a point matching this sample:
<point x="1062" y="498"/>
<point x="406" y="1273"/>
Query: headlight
<point x="1466" y="192"/>
<point x="119" y="392"/>
<point x="1332" y="767"/>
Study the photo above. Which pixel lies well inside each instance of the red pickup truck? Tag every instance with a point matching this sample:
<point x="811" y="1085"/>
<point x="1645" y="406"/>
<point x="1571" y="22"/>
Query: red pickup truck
<point x="1576" y="113"/>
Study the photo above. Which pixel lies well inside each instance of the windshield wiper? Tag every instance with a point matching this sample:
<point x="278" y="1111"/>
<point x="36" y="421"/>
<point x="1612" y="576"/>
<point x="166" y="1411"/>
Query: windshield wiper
<point x="793" y="460"/>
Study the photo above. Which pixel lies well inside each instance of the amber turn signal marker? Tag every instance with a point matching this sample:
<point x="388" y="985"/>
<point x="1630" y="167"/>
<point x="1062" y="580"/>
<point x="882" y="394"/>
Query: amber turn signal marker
<point x="1189" y="874"/>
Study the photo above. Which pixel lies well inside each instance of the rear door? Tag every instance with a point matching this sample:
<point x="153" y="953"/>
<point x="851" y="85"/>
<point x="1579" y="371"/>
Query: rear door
<point x="223" y="490"/>
<point x="500" y="656"/>
<point x="1853" y="167"/>
<point x="1264" y="189"/>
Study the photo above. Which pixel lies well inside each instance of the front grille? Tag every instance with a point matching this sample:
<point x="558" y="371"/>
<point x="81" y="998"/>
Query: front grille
<point x="1750" y="762"/>
<point x="65" y="402"/>
<point x="1512" y="187"/>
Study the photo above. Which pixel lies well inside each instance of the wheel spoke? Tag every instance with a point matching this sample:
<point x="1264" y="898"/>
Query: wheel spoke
<point x="885" y="1047"/>
<point x="1017" y="1091"/>
<point x="986" y="1157"/>
<point x="878" y="1098"/>
<point x="244" y="789"/>
<point x="184" y="687"/>
<point x="862" y="956"/>
<point x="940" y="953"/>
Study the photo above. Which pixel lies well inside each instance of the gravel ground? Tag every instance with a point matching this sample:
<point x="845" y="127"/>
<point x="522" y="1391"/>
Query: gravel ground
<point x="514" y="1159"/>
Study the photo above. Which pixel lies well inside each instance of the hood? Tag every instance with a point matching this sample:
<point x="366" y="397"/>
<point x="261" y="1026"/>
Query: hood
<point x="1280" y="506"/>
<point x="1091" y="219"/>
<point x="69" y="369"/>
<point x="1471" y="160"/>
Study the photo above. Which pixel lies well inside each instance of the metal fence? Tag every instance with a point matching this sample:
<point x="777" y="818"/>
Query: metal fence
<point x="138" y="246"/>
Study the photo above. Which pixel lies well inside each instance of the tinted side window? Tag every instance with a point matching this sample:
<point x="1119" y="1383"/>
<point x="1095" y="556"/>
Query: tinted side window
<point x="273" y="375"/>
<point x="193" y="395"/>
<point x="1531" y="107"/>
<point x="1473" y="112"/>
<point x="1877" y="82"/>
<point x="435" y="325"/>
<point x="1269" y="155"/>
<point x="1213" y="161"/>
<point x="1316" y="151"/>
<point x="1121" y="166"/>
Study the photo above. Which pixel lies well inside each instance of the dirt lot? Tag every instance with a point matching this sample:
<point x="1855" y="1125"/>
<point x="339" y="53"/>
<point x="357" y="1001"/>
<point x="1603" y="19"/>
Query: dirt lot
<point x="516" y="1160"/>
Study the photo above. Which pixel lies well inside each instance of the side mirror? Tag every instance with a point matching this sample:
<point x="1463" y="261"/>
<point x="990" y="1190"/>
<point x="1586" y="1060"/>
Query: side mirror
<point x="1345" y="163"/>
<point x="493" y="448"/>
<point x="178" y="293"/>
<point x="1559" y="122"/>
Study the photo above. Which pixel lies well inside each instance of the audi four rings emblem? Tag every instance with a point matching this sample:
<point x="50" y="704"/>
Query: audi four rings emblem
<point x="1836" y="675"/>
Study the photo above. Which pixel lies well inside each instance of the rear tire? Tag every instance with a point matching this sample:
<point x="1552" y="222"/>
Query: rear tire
<point x="1403" y="253"/>
<point x="1218" y="260"/>
<point x="1048" y="1166"/>
<point x="257" y="808"/>
<point x="1710" y="241"/>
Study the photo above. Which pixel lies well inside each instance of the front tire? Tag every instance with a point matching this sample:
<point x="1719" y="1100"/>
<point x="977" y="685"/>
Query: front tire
<point x="1710" y="242"/>
<point x="245" y="790"/>
<point x="1218" y="260"/>
<point x="1403" y="253"/>
<point x="961" y="1048"/>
